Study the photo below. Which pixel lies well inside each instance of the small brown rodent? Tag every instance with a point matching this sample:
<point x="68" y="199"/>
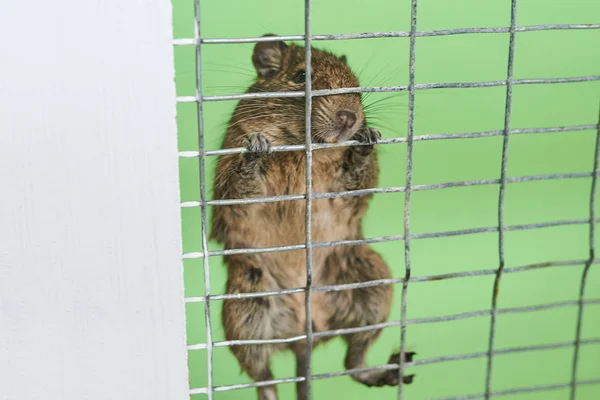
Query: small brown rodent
<point x="257" y="124"/>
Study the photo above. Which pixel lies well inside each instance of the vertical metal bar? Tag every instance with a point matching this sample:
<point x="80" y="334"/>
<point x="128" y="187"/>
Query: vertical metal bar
<point x="209" y="343"/>
<point x="307" y="127"/>
<point x="509" y="82"/>
<point x="589" y="263"/>
<point x="407" y="192"/>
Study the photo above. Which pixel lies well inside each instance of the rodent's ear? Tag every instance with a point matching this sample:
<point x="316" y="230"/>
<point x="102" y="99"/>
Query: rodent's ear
<point x="267" y="57"/>
<point x="344" y="60"/>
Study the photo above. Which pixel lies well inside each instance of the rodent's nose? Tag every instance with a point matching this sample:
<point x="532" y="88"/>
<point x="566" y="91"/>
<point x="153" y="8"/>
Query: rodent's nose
<point x="346" y="118"/>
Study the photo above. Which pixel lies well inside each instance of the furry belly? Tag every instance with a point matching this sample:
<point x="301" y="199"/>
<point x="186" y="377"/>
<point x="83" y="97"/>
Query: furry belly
<point x="283" y="224"/>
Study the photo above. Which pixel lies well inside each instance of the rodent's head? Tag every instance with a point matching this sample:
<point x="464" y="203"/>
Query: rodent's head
<point x="281" y="68"/>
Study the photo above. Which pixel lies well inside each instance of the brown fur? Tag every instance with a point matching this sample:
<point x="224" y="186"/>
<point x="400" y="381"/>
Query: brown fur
<point x="258" y="124"/>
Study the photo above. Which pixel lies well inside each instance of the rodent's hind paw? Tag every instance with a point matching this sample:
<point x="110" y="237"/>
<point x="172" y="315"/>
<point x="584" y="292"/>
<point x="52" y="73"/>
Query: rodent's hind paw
<point x="257" y="144"/>
<point x="368" y="136"/>
<point x="392" y="375"/>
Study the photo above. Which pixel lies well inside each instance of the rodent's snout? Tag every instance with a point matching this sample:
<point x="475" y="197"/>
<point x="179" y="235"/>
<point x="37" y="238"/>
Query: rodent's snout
<point x="336" y="118"/>
<point x="337" y="124"/>
<point x="346" y="118"/>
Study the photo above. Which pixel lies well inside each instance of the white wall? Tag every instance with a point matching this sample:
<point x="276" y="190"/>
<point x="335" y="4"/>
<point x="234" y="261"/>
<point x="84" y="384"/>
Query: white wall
<point x="91" y="287"/>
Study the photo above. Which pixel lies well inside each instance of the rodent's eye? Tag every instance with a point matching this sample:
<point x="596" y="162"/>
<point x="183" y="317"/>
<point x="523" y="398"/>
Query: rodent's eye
<point x="300" y="77"/>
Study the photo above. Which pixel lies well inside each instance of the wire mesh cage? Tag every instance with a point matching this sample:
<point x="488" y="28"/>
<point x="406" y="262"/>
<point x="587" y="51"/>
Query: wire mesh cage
<point x="405" y="236"/>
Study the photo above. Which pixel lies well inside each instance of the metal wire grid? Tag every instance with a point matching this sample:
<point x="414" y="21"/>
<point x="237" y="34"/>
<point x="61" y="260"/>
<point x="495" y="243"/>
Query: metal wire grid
<point x="197" y="41"/>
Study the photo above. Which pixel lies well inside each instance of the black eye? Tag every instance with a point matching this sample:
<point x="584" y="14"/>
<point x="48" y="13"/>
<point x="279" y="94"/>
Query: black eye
<point x="300" y="77"/>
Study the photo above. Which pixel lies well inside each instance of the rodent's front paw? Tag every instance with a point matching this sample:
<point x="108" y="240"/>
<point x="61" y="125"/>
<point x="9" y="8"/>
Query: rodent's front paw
<point x="258" y="145"/>
<point x="369" y="136"/>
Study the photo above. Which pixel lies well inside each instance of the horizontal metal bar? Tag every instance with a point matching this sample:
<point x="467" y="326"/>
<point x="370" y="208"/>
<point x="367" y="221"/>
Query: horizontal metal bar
<point x="364" y="192"/>
<point x="372" y="35"/>
<point x="359" y="285"/>
<point x="458" y="85"/>
<point x="314" y="93"/>
<point x="474" y="135"/>
<point x="269" y="199"/>
<point x="383" y="239"/>
<point x="248" y="385"/>
<point x="523" y="390"/>
<point x="386" y="367"/>
<point x="565" y="222"/>
<point x="358" y="329"/>
<point x="553" y="130"/>
<point x="194" y="255"/>
<point x="391" y="281"/>
<point x="410" y="364"/>
<point x="453" y="358"/>
<point x="186" y="99"/>
<point x="389" y="324"/>
<point x="553" y="27"/>
<point x="481" y="313"/>
<point x="555" y="80"/>
<point x="470" y="356"/>
<point x="531" y="267"/>
<point x="387" y="89"/>
<point x="227" y="343"/>
<point x="517" y="179"/>
<point x="251" y="295"/>
<point x="507" y="228"/>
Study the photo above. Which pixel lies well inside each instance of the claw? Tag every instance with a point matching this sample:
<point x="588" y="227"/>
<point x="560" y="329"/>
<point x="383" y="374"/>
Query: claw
<point x="258" y="144"/>
<point x="372" y="135"/>
<point x="392" y="376"/>
<point x="369" y="136"/>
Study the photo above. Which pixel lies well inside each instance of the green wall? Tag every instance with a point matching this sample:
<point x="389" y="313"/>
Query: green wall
<point x="462" y="58"/>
